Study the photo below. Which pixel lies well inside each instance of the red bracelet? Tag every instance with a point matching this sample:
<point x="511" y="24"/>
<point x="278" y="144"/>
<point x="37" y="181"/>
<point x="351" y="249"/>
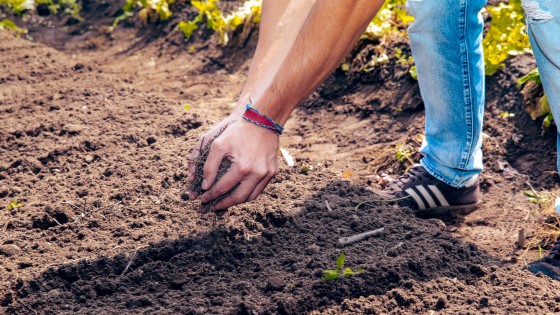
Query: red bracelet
<point x="253" y="116"/>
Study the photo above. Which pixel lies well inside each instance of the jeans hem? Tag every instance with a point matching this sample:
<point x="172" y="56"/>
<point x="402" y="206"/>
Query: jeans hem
<point x="436" y="174"/>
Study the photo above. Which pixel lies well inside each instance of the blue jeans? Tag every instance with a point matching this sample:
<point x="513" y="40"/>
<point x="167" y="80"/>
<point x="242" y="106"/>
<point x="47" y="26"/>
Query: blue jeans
<point x="446" y="41"/>
<point x="543" y="27"/>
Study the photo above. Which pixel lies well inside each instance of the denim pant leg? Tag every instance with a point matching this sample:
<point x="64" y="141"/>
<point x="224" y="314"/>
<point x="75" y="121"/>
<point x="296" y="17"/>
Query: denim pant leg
<point x="543" y="26"/>
<point x="446" y="41"/>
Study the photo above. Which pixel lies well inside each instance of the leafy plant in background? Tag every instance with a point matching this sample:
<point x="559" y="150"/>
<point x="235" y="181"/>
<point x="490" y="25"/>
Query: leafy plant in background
<point x="506" y="36"/>
<point x="150" y="11"/>
<point x="19" y="7"/>
<point x="209" y="13"/>
<point x="10" y="25"/>
<point x="340" y="271"/>
<point x="536" y="106"/>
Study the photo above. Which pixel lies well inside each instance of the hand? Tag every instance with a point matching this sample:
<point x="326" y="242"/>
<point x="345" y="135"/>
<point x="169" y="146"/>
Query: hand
<point x="253" y="152"/>
<point x="202" y="142"/>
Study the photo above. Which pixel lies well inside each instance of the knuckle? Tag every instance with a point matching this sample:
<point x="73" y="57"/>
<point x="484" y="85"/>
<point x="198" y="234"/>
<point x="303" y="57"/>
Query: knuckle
<point x="218" y="145"/>
<point x="272" y="173"/>
<point x="245" y="169"/>
<point x="261" y="172"/>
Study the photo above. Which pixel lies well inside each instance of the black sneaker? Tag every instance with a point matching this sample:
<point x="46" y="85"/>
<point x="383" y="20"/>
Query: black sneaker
<point x="548" y="265"/>
<point x="427" y="195"/>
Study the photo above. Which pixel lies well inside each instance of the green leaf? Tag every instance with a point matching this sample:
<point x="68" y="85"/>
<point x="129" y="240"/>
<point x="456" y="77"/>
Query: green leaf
<point x="413" y="72"/>
<point x="547" y="121"/>
<point x="533" y="75"/>
<point x="545" y="105"/>
<point x="347" y="272"/>
<point x="340" y="261"/>
<point x="529" y="193"/>
<point x="187" y="28"/>
<point x="331" y="275"/>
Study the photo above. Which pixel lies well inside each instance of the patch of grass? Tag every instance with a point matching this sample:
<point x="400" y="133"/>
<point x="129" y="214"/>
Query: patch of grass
<point x="546" y="229"/>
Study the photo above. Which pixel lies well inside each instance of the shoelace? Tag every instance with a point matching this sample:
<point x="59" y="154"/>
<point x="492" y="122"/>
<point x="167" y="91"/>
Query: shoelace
<point x="413" y="175"/>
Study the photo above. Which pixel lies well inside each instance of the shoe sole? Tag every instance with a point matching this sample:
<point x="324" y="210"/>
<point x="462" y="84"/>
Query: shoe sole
<point x="449" y="210"/>
<point x="546" y="269"/>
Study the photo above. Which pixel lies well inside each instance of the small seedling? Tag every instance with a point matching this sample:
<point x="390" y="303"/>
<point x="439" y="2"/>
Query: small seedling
<point x="506" y="115"/>
<point x="540" y="252"/>
<point x="305" y="169"/>
<point x="403" y="154"/>
<point x="534" y="197"/>
<point x="14" y="205"/>
<point x="340" y="271"/>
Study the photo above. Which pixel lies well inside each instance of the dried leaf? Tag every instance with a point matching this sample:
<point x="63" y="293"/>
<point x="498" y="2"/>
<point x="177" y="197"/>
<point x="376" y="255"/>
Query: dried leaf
<point x="346" y="174"/>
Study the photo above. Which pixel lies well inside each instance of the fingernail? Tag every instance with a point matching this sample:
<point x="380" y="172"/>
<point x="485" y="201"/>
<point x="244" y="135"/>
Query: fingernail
<point x="192" y="195"/>
<point x="204" y="184"/>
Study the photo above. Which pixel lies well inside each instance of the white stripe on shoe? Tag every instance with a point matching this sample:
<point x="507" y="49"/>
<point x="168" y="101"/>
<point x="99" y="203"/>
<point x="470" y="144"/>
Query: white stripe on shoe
<point x="417" y="198"/>
<point x="439" y="196"/>
<point x="427" y="196"/>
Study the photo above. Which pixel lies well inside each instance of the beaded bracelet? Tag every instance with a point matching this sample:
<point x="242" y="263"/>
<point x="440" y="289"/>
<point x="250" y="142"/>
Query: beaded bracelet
<point x="255" y="117"/>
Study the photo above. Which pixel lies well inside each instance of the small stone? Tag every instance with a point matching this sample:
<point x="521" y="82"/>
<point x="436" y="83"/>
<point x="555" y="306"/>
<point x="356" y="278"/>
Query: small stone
<point x="313" y="248"/>
<point x="437" y="222"/>
<point x="9" y="250"/>
<point x="54" y="293"/>
<point x="88" y="159"/>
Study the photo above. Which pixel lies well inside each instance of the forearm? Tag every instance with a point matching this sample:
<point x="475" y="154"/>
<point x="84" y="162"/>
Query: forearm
<point x="281" y="21"/>
<point x="329" y="32"/>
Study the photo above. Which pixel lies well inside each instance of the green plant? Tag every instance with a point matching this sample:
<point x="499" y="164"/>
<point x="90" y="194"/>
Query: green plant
<point x="506" y="115"/>
<point x="403" y="154"/>
<point x="10" y="25"/>
<point x="150" y="11"/>
<point x="532" y="88"/>
<point x="340" y="271"/>
<point x="223" y="25"/>
<point x="506" y="36"/>
<point x="66" y="7"/>
<point x="536" y="198"/>
<point x="14" y="205"/>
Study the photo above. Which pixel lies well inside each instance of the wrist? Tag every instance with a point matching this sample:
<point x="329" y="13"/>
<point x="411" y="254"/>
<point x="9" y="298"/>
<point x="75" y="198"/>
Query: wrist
<point x="256" y="117"/>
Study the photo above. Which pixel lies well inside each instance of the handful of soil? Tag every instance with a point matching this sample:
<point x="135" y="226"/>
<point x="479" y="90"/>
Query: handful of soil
<point x="196" y="185"/>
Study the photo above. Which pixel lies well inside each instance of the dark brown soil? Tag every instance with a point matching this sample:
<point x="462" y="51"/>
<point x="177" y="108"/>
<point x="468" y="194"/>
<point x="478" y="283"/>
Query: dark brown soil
<point x="94" y="142"/>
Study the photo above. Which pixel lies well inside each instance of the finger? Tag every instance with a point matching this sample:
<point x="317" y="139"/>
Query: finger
<point x="212" y="164"/>
<point x="192" y="195"/>
<point x="223" y="185"/>
<point x="193" y="157"/>
<point x="260" y="187"/>
<point x="239" y="195"/>
<point x="202" y="209"/>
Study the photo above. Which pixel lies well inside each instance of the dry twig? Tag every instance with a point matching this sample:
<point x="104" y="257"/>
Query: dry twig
<point x="359" y="237"/>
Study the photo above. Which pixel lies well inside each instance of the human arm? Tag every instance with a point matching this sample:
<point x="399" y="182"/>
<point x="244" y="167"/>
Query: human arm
<point x="328" y="33"/>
